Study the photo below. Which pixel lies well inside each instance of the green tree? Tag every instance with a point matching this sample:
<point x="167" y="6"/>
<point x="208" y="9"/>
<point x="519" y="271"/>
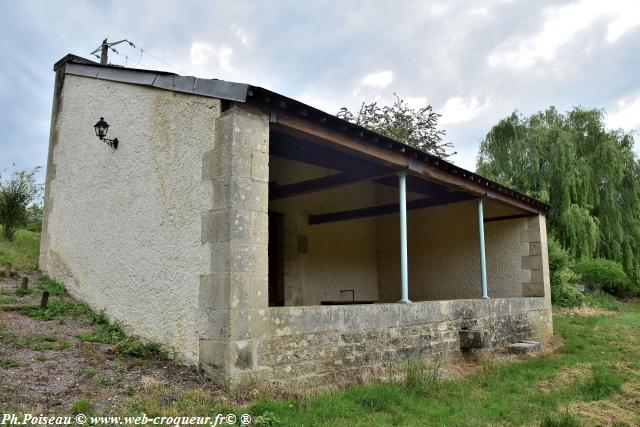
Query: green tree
<point x="16" y="194"/>
<point x="589" y="175"/>
<point x="415" y="127"/>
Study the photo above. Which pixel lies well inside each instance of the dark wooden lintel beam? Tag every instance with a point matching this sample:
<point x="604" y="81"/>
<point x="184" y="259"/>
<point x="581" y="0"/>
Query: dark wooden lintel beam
<point x="508" y="217"/>
<point x="386" y="209"/>
<point x="324" y="183"/>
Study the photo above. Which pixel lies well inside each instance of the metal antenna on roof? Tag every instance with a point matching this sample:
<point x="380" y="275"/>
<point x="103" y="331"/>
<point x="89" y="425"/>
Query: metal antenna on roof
<point x="104" y="50"/>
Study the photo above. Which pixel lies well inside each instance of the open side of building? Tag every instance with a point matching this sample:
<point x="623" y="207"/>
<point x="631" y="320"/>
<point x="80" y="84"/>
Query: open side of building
<point x="263" y="239"/>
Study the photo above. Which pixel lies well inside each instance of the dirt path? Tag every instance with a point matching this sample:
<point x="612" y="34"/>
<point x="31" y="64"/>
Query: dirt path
<point x="44" y="367"/>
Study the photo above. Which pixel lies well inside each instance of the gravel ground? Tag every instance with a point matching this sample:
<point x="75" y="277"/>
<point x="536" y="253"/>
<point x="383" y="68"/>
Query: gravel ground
<point x="50" y="380"/>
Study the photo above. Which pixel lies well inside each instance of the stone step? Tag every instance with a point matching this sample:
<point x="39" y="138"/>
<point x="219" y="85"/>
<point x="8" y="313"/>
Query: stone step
<point x="524" y="347"/>
<point x="473" y="338"/>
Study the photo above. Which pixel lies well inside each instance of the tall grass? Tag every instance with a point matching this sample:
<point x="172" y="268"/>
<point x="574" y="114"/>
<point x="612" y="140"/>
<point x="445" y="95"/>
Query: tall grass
<point x="23" y="252"/>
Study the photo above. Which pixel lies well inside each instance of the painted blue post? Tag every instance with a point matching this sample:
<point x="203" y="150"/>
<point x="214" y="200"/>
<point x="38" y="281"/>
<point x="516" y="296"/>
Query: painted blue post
<point x="404" y="268"/>
<point x="483" y="258"/>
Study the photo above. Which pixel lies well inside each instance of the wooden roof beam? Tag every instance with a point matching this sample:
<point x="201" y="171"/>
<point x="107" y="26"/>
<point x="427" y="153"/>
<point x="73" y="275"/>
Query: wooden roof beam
<point x="325" y="182"/>
<point x="302" y="128"/>
<point x="387" y="209"/>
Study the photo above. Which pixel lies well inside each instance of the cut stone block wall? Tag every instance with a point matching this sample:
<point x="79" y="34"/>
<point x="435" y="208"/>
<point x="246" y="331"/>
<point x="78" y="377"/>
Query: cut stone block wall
<point x="535" y="258"/>
<point x="234" y="296"/>
<point x="312" y="346"/>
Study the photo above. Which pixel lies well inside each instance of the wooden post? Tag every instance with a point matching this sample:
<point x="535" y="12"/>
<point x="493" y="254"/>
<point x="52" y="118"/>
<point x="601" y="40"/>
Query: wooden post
<point x="45" y="299"/>
<point x="25" y="283"/>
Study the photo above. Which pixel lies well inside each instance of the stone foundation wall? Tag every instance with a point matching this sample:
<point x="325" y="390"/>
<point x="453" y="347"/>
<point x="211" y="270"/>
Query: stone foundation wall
<point x="312" y="346"/>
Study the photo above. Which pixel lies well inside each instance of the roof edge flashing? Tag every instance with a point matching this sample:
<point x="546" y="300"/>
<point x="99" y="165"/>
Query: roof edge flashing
<point x="211" y="88"/>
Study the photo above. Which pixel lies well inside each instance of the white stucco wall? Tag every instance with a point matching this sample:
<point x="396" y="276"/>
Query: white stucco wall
<point x="124" y="226"/>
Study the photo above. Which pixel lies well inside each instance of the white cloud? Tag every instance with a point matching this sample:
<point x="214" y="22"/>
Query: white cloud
<point x="479" y="11"/>
<point x="416" y="101"/>
<point x="627" y="18"/>
<point x="240" y="35"/>
<point x="561" y="25"/>
<point x="379" y="80"/>
<point x="459" y="110"/>
<point x="627" y="115"/>
<point x="205" y="56"/>
<point x="439" y="8"/>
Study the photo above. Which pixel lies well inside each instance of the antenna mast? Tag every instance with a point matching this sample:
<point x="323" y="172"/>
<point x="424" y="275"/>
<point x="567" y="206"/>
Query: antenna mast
<point x="104" y="50"/>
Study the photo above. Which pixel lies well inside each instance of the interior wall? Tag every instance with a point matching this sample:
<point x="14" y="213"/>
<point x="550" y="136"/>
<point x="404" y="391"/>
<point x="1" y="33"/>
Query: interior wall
<point x="322" y="259"/>
<point x="363" y="254"/>
<point x="443" y="251"/>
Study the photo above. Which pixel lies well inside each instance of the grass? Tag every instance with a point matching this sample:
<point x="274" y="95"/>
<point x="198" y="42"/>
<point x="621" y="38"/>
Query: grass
<point x="538" y="391"/>
<point x="601" y="383"/>
<point x="134" y="346"/>
<point x="601" y="300"/>
<point x="82" y="406"/>
<point x="594" y="379"/>
<point x="62" y="307"/>
<point x="110" y="334"/>
<point x="23" y="252"/>
<point x="564" y="419"/>
<point x="11" y="362"/>
<point x="41" y="342"/>
<point x="7" y="298"/>
<point x="24" y="291"/>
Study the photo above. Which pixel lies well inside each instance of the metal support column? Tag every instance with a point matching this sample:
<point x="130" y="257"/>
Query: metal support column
<point x="404" y="269"/>
<point x="483" y="259"/>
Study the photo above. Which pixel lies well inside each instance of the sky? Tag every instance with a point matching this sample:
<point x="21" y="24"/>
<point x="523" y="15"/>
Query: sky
<point x="474" y="62"/>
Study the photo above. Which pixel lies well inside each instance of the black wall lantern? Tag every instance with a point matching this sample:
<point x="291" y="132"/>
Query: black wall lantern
<point x="101" y="129"/>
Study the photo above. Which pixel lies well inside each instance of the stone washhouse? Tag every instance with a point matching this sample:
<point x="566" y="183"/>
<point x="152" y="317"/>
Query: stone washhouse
<point x="264" y="240"/>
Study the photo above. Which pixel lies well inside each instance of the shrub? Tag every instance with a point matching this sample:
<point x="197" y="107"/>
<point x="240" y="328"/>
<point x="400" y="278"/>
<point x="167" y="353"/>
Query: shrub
<point x="16" y="194"/>
<point x="566" y="295"/>
<point x="559" y="258"/>
<point x="563" y="279"/>
<point x="599" y="299"/>
<point x="603" y="274"/>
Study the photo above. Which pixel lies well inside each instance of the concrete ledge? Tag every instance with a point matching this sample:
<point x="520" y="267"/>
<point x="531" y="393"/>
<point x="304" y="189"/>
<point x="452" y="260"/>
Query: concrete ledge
<point x="312" y="319"/>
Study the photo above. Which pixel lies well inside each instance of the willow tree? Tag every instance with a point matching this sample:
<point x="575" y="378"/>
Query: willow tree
<point x="589" y="175"/>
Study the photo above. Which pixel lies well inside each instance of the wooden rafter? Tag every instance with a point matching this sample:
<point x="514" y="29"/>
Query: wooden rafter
<point x="387" y="209"/>
<point x="395" y="156"/>
<point x="507" y="217"/>
<point x="325" y="182"/>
